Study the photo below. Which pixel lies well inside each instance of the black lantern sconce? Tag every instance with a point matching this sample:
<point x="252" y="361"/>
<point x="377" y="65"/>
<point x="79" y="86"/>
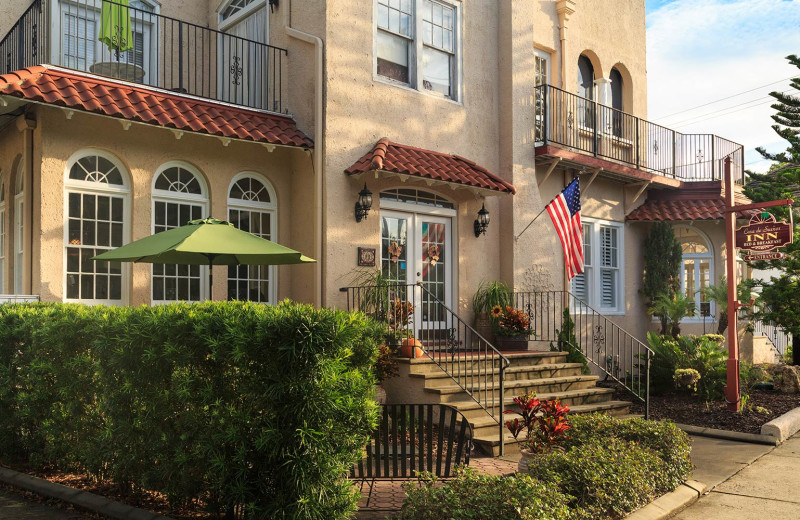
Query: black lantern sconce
<point x="273" y="4"/>
<point x="482" y="222"/>
<point x="363" y="204"/>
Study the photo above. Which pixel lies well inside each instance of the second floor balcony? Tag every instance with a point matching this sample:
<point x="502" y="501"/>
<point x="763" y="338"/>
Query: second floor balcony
<point x="136" y="44"/>
<point x="628" y="145"/>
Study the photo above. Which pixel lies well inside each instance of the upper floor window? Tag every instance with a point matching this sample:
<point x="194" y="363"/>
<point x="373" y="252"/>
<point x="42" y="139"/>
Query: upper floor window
<point x="601" y="284"/>
<point x="616" y="89"/>
<point x="235" y="7"/>
<point x="429" y="62"/>
<point x="585" y="78"/>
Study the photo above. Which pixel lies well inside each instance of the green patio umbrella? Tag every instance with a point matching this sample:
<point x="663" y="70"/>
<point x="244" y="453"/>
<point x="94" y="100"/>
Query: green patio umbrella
<point x="205" y="242"/>
<point x="115" y="26"/>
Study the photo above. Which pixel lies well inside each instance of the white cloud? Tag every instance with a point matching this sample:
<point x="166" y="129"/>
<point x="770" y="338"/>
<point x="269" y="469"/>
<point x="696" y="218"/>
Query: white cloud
<point x="699" y="51"/>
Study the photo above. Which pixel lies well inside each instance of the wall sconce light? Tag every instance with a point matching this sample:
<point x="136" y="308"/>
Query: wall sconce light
<point x="273" y="4"/>
<point x="363" y="204"/>
<point x="482" y="222"/>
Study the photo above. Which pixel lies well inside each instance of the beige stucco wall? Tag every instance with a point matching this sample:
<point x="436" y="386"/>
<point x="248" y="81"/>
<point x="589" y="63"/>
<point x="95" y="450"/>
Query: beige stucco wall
<point x="141" y="150"/>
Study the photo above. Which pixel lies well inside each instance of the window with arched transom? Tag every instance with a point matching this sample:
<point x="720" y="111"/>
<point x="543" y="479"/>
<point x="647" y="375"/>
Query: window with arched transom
<point x="97" y="200"/>
<point x="253" y="207"/>
<point x="179" y="196"/>
<point x="697" y="271"/>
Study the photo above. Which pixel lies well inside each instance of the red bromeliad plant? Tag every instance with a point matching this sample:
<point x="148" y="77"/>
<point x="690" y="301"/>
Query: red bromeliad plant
<point x="545" y="423"/>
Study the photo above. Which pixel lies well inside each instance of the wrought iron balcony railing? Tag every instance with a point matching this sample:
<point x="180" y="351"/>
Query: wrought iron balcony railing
<point x="568" y="120"/>
<point x="163" y="52"/>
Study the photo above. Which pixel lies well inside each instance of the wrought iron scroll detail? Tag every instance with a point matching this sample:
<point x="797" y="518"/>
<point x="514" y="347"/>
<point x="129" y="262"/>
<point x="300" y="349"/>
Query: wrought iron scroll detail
<point x="236" y="70"/>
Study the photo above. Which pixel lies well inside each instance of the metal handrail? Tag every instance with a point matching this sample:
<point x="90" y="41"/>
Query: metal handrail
<point x="613" y="350"/>
<point x="584" y="124"/>
<point x="173" y="55"/>
<point x="469" y="359"/>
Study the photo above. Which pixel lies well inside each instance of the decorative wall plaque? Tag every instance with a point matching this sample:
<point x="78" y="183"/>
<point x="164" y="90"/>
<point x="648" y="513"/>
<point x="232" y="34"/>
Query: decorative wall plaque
<point x="366" y="256"/>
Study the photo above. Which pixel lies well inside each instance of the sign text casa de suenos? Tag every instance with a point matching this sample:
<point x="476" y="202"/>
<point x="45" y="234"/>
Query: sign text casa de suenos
<point x="764" y="233"/>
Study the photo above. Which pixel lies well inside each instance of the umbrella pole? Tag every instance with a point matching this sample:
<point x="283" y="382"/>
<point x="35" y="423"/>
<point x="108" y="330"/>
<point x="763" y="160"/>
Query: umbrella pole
<point x="210" y="276"/>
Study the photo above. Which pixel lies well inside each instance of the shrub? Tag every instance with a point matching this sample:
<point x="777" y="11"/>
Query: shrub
<point x="703" y="354"/>
<point x="567" y="342"/>
<point x="474" y="496"/>
<point x="669" y="442"/>
<point x="607" y="477"/>
<point x="236" y="404"/>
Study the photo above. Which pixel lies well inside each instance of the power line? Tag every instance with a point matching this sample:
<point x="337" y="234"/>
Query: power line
<point x="728" y="110"/>
<point x="723" y="99"/>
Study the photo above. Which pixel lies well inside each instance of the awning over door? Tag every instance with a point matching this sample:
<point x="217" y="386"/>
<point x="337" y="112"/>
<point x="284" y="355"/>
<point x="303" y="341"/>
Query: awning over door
<point x="391" y="158"/>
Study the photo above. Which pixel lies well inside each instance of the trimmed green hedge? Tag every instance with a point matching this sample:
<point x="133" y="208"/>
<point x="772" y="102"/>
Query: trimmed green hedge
<point x="238" y="404"/>
<point x="474" y="496"/>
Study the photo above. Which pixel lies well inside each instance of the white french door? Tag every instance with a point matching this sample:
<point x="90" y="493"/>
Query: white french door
<point x="244" y="62"/>
<point x="417" y="248"/>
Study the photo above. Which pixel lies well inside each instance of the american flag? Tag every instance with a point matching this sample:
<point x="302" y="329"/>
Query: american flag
<point x="565" y="212"/>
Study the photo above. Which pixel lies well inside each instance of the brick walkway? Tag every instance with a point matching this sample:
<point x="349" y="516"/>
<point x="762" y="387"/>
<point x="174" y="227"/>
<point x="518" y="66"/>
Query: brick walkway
<point x="387" y="497"/>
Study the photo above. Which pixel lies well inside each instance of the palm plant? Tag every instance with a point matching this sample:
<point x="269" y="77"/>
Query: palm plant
<point x="671" y="310"/>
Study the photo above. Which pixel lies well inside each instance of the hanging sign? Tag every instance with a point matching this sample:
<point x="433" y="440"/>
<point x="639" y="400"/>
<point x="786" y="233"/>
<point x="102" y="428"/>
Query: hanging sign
<point x="772" y="255"/>
<point x="764" y="233"/>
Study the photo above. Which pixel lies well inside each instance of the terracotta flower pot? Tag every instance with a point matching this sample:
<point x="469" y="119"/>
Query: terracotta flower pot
<point x="411" y="348"/>
<point x="525" y="458"/>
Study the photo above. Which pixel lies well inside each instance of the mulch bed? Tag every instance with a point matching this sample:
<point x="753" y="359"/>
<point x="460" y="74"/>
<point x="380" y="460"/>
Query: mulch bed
<point x="686" y="409"/>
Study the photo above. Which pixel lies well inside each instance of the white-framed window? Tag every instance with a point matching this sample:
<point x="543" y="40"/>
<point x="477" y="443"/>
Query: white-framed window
<point x="19" y="228"/>
<point x="253" y="207"/>
<point x="418" y="44"/>
<point x="179" y="195"/>
<point x="697" y="268"/>
<point x="541" y="68"/>
<point x="97" y="211"/>
<point x="2" y="233"/>
<point x="601" y="285"/>
<point x="80" y="48"/>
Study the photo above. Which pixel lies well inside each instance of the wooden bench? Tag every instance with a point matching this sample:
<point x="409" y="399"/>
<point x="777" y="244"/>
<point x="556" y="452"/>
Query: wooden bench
<point x="414" y="438"/>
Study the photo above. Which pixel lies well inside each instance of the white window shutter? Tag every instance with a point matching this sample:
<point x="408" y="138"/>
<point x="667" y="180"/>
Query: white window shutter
<point x="608" y="288"/>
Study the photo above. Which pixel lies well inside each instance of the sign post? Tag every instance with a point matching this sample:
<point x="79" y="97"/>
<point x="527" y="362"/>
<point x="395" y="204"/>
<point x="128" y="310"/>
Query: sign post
<point x="761" y="236"/>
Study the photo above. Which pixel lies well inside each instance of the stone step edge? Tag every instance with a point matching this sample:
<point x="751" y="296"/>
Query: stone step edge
<point x="512" y="369"/>
<point x="578" y="409"/>
<point x="83" y="499"/>
<point x="517" y="383"/>
<point x="527" y="354"/>
<point x="509" y="401"/>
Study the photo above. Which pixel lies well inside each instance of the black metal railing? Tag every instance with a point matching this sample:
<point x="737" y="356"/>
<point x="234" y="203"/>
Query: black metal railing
<point x="475" y="365"/>
<point x="163" y="52"/>
<point x="604" y="344"/>
<point x="569" y="120"/>
<point x="777" y="336"/>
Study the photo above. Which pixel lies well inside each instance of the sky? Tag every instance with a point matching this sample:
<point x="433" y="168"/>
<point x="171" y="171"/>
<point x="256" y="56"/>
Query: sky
<point x="700" y="52"/>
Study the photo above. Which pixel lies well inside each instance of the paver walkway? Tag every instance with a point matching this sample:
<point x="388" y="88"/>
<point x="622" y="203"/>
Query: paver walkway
<point x="758" y="486"/>
<point x="387" y="497"/>
<point x="14" y="507"/>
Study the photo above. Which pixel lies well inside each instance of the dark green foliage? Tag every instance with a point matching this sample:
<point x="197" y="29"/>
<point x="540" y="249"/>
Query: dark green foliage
<point x="662" y="264"/>
<point x="669" y="442"/>
<point x="704" y="354"/>
<point x="779" y="300"/>
<point x="231" y="403"/>
<point x="567" y="342"/>
<point x="474" y="496"/>
<point x="608" y="477"/>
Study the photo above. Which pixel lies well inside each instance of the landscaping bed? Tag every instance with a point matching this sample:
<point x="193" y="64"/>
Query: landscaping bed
<point x="689" y="409"/>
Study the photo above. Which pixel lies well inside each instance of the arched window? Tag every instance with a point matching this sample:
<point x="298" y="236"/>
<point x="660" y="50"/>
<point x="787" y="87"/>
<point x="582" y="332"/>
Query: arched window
<point x="586" y="109"/>
<point x="697" y="269"/>
<point x="97" y="193"/>
<point x="19" y="228"/>
<point x="179" y="195"/>
<point x="2" y="233"/>
<point x="617" y="87"/>
<point x="253" y="207"/>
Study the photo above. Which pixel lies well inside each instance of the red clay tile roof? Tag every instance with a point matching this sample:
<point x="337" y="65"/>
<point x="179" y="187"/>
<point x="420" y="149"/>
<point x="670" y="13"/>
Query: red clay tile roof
<point x="702" y="201"/>
<point x="398" y="158"/>
<point x="81" y="91"/>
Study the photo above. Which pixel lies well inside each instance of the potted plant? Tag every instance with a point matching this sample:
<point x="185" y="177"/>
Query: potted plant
<point x="512" y="328"/>
<point x="544" y="423"/>
<point x="385" y="368"/>
<point x="399" y="315"/>
<point x="488" y="296"/>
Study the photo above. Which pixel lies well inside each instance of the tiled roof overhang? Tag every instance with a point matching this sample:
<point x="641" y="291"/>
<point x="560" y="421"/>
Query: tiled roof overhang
<point x="703" y="201"/>
<point x="395" y="158"/>
<point x="119" y="99"/>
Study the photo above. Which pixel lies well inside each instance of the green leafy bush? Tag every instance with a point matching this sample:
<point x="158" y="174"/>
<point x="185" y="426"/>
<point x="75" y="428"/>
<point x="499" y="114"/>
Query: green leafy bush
<point x="474" y="496"/>
<point x="567" y="342"/>
<point x="607" y="477"/>
<point x="669" y="442"/>
<point x="236" y="404"/>
<point x="705" y="354"/>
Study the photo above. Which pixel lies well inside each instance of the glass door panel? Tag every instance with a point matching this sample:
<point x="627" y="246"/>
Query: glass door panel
<point x="433" y="271"/>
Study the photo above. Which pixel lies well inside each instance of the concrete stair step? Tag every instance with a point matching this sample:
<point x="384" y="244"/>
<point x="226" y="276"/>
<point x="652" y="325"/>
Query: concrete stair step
<point x="450" y="393"/>
<point x="427" y="365"/>
<point x="512" y="373"/>
<point x="571" y="398"/>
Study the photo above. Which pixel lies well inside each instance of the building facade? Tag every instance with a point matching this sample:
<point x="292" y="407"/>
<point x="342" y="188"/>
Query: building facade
<point x="276" y="114"/>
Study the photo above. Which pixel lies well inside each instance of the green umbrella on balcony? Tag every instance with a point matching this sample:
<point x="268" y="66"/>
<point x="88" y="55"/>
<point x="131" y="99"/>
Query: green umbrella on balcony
<point x="205" y="242"/>
<point x="115" y="26"/>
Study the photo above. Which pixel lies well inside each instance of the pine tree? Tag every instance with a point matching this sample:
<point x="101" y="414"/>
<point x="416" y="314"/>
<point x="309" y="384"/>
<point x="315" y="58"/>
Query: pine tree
<point x="662" y="264"/>
<point x="780" y="297"/>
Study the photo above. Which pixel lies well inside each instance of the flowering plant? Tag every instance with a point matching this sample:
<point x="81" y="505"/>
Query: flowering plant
<point x="545" y="423"/>
<point x="510" y="321"/>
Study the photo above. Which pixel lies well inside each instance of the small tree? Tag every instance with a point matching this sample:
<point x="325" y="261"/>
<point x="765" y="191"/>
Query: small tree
<point x="662" y="264"/>
<point x="671" y="310"/>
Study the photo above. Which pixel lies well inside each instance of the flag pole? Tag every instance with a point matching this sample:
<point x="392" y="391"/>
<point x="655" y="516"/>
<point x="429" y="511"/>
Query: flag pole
<point x="516" y="237"/>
